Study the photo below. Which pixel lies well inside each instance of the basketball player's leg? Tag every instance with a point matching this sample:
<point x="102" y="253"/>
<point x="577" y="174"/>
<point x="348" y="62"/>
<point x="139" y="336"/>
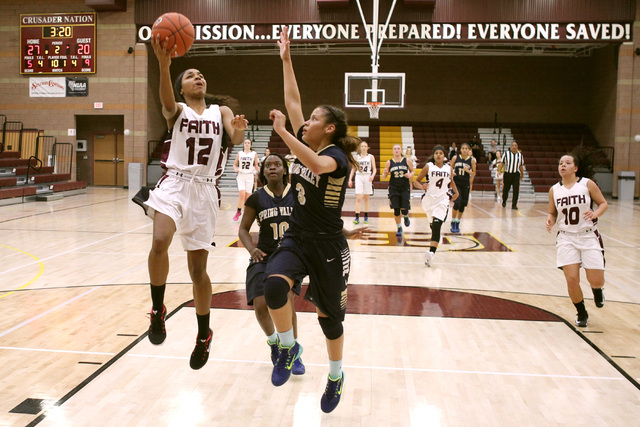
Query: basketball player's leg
<point x="202" y="292"/>
<point x="572" y="276"/>
<point x="357" y="208"/>
<point x="163" y="230"/>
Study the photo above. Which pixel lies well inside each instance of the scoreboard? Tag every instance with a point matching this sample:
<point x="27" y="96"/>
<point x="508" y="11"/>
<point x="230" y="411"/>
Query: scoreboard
<point x="60" y="43"/>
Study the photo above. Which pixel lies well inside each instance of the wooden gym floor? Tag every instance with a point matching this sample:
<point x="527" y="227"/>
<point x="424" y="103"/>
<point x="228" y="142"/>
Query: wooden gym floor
<point x="485" y="337"/>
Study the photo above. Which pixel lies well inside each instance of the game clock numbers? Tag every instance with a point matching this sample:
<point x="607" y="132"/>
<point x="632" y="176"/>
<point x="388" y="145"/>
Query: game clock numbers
<point x="58" y="43"/>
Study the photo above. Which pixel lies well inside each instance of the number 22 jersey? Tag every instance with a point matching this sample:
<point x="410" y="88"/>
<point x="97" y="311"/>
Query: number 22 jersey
<point x="196" y="142"/>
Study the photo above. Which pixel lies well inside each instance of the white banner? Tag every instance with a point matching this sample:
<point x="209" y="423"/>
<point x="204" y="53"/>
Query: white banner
<point x="52" y="87"/>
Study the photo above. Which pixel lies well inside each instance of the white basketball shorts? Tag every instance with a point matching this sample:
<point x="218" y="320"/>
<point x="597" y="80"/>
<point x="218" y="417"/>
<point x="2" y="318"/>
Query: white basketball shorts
<point x="192" y="205"/>
<point x="436" y="207"/>
<point x="363" y="185"/>
<point x="580" y="248"/>
<point x="245" y="182"/>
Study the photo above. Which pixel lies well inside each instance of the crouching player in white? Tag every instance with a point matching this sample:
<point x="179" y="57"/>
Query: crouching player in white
<point x="578" y="241"/>
<point x="435" y="201"/>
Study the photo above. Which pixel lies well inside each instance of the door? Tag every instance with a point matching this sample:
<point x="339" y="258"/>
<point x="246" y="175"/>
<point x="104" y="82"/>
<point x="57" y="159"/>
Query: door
<point x="108" y="159"/>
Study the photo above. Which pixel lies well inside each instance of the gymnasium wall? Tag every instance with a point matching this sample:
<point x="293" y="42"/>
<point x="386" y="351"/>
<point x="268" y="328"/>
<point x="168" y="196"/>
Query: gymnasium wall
<point x="439" y="88"/>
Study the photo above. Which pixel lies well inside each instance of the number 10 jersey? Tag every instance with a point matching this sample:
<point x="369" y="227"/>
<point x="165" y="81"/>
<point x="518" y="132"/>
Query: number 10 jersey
<point x="196" y="142"/>
<point x="571" y="204"/>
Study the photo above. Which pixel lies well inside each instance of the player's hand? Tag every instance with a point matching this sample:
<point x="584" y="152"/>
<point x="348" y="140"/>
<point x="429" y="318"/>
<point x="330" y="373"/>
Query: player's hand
<point x="407" y="175"/>
<point x="160" y="48"/>
<point x="257" y="255"/>
<point x="371" y="178"/>
<point x="356" y="233"/>
<point x="239" y="122"/>
<point x="350" y="184"/>
<point x="549" y="224"/>
<point x="590" y="215"/>
<point x="284" y="43"/>
<point x="279" y="119"/>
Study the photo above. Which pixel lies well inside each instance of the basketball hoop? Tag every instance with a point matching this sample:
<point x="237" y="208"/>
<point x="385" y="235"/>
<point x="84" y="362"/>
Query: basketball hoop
<point x="374" y="109"/>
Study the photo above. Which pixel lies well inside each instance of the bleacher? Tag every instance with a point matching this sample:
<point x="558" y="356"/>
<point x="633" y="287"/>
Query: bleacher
<point x="542" y="146"/>
<point x="33" y="164"/>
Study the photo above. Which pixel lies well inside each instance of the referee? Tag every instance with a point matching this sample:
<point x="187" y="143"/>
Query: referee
<point x="513" y="172"/>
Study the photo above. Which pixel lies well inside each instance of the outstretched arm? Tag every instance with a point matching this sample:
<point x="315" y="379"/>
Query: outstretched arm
<point x="316" y="163"/>
<point x="292" y="100"/>
<point x="170" y="108"/>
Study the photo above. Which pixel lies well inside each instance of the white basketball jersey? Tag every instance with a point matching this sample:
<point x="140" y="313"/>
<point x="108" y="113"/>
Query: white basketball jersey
<point x="366" y="165"/>
<point x="246" y="161"/>
<point x="439" y="179"/>
<point x="571" y="205"/>
<point x="196" y="142"/>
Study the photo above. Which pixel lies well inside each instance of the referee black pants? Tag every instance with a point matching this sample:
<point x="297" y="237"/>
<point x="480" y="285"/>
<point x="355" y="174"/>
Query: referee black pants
<point x="511" y="179"/>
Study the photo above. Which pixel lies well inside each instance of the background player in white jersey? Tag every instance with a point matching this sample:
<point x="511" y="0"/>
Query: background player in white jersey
<point x="247" y="168"/>
<point x="435" y="201"/>
<point x="186" y="199"/>
<point x="364" y="180"/>
<point x="578" y="241"/>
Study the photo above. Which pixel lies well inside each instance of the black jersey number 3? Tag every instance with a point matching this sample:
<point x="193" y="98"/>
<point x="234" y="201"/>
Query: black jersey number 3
<point x="301" y="198"/>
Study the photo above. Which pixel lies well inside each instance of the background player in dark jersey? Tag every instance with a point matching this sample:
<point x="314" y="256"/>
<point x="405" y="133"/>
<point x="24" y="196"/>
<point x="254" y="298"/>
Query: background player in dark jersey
<point x="314" y="245"/>
<point x="400" y="170"/>
<point x="464" y="171"/>
<point x="271" y="206"/>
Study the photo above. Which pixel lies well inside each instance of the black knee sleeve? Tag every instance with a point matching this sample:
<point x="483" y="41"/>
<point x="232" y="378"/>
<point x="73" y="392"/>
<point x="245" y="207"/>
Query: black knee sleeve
<point x="436" y="224"/>
<point x="276" y="291"/>
<point x="332" y="329"/>
<point x="405" y="212"/>
<point x="396" y="211"/>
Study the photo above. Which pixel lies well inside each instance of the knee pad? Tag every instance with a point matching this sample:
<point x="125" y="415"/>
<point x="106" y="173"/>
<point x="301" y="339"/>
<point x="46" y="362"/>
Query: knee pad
<point x="396" y="211"/>
<point x="405" y="212"/>
<point x="332" y="329"/>
<point x="276" y="291"/>
<point x="436" y="224"/>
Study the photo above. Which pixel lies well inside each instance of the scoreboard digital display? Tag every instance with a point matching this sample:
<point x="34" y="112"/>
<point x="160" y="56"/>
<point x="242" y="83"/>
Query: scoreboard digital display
<point x="60" y="43"/>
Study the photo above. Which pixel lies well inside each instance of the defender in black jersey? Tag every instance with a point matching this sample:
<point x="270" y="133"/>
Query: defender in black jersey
<point x="400" y="172"/>
<point x="314" y="245"/>
<point x="464" y="171"/>
<point x="271" y="206"/>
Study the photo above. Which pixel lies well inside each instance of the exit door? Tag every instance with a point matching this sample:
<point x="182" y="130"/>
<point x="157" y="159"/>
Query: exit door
<point x="108" y="159"/>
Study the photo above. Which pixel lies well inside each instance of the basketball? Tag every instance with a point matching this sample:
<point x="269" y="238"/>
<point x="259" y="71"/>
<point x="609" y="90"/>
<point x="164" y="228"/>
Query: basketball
<point x="177" y="28"/>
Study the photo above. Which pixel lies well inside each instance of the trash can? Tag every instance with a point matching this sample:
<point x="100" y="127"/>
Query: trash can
<point x="135" y="177"/>
<point x="626" y="186"/>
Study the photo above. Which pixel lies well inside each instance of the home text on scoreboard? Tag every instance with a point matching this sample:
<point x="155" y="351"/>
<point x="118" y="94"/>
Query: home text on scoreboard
<point x="60" y="43"/>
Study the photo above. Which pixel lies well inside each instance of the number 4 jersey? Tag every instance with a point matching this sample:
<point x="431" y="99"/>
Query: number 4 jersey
<point x="571" y="204"/>
<point x="196" y="142"/>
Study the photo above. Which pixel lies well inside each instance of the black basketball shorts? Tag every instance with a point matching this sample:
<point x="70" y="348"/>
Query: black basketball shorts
<point x="326" y="262"/>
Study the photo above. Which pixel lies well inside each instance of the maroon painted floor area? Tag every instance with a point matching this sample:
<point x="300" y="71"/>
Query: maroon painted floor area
<point x="410" y="301"/>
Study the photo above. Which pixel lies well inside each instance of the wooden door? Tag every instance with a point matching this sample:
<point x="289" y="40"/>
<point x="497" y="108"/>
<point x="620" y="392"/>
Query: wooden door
<point x="108" y="159"/>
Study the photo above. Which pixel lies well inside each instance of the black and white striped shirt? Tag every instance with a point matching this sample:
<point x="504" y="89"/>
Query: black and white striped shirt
<point x="512" y="162"/>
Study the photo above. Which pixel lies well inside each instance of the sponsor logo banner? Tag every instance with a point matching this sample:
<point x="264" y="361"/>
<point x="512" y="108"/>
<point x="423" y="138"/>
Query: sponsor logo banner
<point x="58" y="87"/>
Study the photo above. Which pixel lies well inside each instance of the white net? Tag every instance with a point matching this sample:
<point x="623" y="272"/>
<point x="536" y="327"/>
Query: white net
<point x="374" y="109"/>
